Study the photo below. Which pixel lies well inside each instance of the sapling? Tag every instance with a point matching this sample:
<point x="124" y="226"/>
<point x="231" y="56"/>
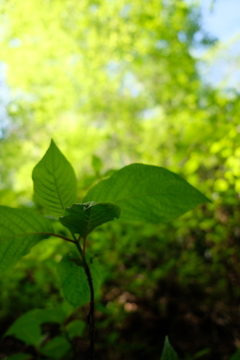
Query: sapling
<point x="135" y="193"/>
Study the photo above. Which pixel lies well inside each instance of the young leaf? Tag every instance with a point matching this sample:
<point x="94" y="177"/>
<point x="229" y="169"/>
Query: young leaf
<point x="147" y="193"/>
<point x="83" y="218"/>
<point x="73" y="280"/>
<point x="168" y="352"/>
<point x="55" y="182"/>
<point x="56" y="348"/>
<point x="20" y="229"/>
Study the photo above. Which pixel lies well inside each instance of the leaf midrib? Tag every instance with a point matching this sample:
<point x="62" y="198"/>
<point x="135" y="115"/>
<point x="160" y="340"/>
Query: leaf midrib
<point x="143" y="194"/>
<point x="55" y="181"/>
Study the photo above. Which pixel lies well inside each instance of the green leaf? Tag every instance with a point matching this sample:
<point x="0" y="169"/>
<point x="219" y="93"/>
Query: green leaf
<point x="168" y="352"/>
<point x="83" y="218"/>
<point x="56" y="348"/>
<point x="97" y="164"/>
<point x="55" y="182"/>
<point x="49" y="316"/>
<point x="20" y="356"/>
<point x="76" y="328"/>
<point x="27" y="327"/>
<point x="73" y="280"/>
<point x="20" y="229"/>
<point x="236" y="356"/>
<point x="147" y="193"/>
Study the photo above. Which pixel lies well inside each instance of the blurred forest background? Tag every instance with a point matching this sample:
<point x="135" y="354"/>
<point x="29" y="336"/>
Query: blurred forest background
<point x="113" y="83"/>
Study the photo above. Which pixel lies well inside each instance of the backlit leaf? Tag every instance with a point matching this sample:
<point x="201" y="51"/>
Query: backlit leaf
<point x="20" y="229"/>
<point x="147" y="193"/>
<point x="54" y="181"/>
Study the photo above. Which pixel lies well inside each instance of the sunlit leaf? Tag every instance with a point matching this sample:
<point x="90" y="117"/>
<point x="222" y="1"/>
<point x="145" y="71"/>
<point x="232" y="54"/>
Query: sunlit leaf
<point x="20" y="229"/>
<point x="147" y="193"/>
<point x="83" y="218"/>
<point x="54" y="181"/>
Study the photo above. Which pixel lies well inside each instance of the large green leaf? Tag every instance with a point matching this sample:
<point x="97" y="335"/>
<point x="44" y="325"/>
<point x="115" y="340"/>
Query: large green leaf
<point x="83" y="218"/>
<point x="27" y="327"/>
<point x="20" y="229"/>
<point x="147" y="193"/>
<point x="74" y="283"/>
<point x="168" y="352"/>
<point x="54" y="181"/>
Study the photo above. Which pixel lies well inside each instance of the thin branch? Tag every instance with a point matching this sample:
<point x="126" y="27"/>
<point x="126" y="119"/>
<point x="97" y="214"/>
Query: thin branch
<point x="60" y="236"/>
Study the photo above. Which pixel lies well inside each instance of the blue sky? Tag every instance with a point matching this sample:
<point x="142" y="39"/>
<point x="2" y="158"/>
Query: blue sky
<point x="224" y="20"/>
<point x="222" y="66"/>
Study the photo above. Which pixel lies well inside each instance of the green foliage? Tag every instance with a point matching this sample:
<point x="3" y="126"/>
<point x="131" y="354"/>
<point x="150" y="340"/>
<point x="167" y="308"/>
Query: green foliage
<point x="236" y="356"/>
<point x="141" y="100"/>
<point x="54" y="92"/>
<point x="54" y="181"/>
<point x="97" y="164"/>
<point x="82" y="219"/>
<point x="19" y="357"/>
<point x="56" y="348"/>
<point x="76" y="328"/>
<point x="20" y="229"/>
<point x="147" y="193"/>
<point x="27" y="327"/>
<point x="73" y="279"/>
<point x="168" y="352"/>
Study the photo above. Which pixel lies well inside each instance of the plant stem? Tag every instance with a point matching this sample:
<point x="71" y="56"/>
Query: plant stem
<point x="60" y="236"/>
<point x="91" y="320"/>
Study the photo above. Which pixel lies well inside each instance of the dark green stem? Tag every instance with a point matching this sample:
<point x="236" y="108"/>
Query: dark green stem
<point x="91" y="321"/>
